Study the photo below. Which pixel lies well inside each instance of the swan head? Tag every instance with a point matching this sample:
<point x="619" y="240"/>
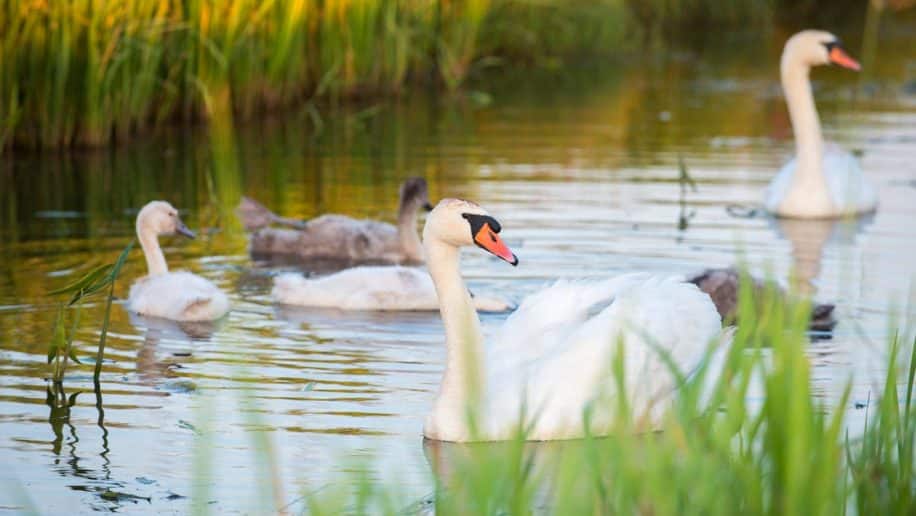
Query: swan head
<point x="415" y="194"/>
<point x="462" y="224"/>
<point x="160" y="218"/>
<point x="816" y="48"/>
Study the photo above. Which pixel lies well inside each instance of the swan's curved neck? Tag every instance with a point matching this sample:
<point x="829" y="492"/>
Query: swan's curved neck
<point x="407" y="231"/>
<point x="805" y="123"/>
<point x="462" y="383"/>
<point x="149" y="241"/>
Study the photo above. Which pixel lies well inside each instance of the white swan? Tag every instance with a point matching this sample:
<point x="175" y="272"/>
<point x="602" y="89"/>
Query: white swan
<point x="180" y="296"/>
<point x="370" y="288"/>
<point x="338" y="237"/>
<point x="552" y="357"/>
<point x="823" y="180"/>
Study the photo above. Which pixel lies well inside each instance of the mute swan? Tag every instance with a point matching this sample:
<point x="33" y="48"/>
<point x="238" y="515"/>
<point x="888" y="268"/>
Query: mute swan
<point x="551" y="358"/>
<point x="370" y="288"/>
<point x="823" y="180"/>
<point x="722" y="286"/>
<point x="340" y="237"/>
<point x="180" y="296"/>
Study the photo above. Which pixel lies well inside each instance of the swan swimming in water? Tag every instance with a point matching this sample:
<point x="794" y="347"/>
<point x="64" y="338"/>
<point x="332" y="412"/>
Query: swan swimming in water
<point x="551" y="358"/>
<point x="180" y="296"/>
<point x="338" y="237"/>
<point x="371" y="288"/>
<point x="823" y="180"/>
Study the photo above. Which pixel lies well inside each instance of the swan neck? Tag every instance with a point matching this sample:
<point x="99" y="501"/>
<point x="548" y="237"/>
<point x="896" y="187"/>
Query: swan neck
<point x="462" y="383"/>
<point x="407" y="232"/>
<point x="149" y="241"/>
<point x="806" y="125"/>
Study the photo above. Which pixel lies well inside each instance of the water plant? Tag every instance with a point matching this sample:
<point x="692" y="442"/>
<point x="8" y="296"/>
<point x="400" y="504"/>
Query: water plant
<point x="98" y="280"/>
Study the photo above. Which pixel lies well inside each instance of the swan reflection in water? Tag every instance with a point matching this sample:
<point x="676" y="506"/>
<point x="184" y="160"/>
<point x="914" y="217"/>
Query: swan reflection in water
<point x="809" y="238"/>
<point x="178" y="337"/>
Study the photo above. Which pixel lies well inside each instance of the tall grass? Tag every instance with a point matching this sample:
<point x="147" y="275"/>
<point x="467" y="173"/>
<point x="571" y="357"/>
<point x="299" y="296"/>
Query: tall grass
<point x="723" y="447"/>
<point x="91" y="72"/>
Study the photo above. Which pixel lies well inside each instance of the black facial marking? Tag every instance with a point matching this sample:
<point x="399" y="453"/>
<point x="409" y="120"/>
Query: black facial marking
<point x="477" y="221"/>
<point x="831" y="44"/>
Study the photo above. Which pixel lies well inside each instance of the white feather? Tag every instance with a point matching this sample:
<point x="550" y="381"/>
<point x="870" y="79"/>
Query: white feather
<point x="553" y="356"/>
<point x="179" y="296"/>
<point x="370" y="288"/>
<point x="849" y="190"/>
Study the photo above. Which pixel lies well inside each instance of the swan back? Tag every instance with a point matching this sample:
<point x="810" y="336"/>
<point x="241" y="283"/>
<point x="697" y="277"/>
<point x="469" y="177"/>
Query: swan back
<point x="359" y="288"/>
<point x="565" y="365"/>
<point x="178" y="296"/>
<point x="370" y="288"/>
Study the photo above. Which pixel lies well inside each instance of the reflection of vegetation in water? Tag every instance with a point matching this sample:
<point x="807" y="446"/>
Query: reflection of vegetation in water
<point x="684" y="181"/>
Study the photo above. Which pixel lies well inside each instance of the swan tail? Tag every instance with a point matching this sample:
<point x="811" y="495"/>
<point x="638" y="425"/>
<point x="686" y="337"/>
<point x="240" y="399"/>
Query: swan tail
<point x="205" y="308"/>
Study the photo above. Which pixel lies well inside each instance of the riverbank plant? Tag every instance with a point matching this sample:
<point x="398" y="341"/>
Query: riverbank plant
<point x="91" y="72"/>
<point x="100" y="280"/>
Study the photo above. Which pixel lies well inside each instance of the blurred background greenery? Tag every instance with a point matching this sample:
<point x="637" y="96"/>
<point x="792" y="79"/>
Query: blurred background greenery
<point x="91" y="72"/>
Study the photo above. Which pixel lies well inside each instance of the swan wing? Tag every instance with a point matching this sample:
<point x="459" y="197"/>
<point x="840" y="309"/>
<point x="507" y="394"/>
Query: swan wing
<point x="566" y="368"/>
<point x="779" y="187"/>
<point x="361" y="288"/>
<point x="180" y="296"/>
<point x="849" y="187"/>
<point x="556" y="310"/>
<point x="339" y="235"/>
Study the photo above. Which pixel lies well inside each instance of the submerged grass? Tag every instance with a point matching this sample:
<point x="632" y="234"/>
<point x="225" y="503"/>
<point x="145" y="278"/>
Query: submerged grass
<point x="91" y="72"/>
<point x="723" y="448"/>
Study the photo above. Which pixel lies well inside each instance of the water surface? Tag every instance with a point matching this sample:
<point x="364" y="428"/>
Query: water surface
<point x="581" y="168"/>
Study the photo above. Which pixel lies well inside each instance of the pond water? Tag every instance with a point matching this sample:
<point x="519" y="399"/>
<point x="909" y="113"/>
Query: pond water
<point x="581" y="168"/>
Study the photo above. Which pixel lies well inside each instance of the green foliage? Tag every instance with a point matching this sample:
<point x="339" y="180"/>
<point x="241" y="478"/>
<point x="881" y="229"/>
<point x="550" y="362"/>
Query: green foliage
<point x="60" y="349"/>
<point x="90" y="72"/>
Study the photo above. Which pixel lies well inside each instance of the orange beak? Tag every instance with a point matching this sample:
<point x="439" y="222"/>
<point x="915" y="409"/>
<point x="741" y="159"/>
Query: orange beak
<point x="489" y="240"/>
<point x="840" y="57"/>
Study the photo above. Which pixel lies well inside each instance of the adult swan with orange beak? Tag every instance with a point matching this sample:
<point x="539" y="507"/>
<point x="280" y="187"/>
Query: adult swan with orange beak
<point x="823" y="180"/>
<point x="551" y="360"/>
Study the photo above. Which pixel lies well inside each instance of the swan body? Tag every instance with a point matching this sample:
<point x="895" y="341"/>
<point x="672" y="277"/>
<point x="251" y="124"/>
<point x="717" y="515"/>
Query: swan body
<point x="823" y="180"/>
<point x="848" y="190"/>
<point x="370" y="288"/>
<point x="551" y="361"/>
<point x="338" y="237"/>
<point x="179" y="296"/>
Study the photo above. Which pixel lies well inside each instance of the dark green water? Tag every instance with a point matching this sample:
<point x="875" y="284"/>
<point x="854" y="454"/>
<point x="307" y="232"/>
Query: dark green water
<point x="581" y="169"/>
